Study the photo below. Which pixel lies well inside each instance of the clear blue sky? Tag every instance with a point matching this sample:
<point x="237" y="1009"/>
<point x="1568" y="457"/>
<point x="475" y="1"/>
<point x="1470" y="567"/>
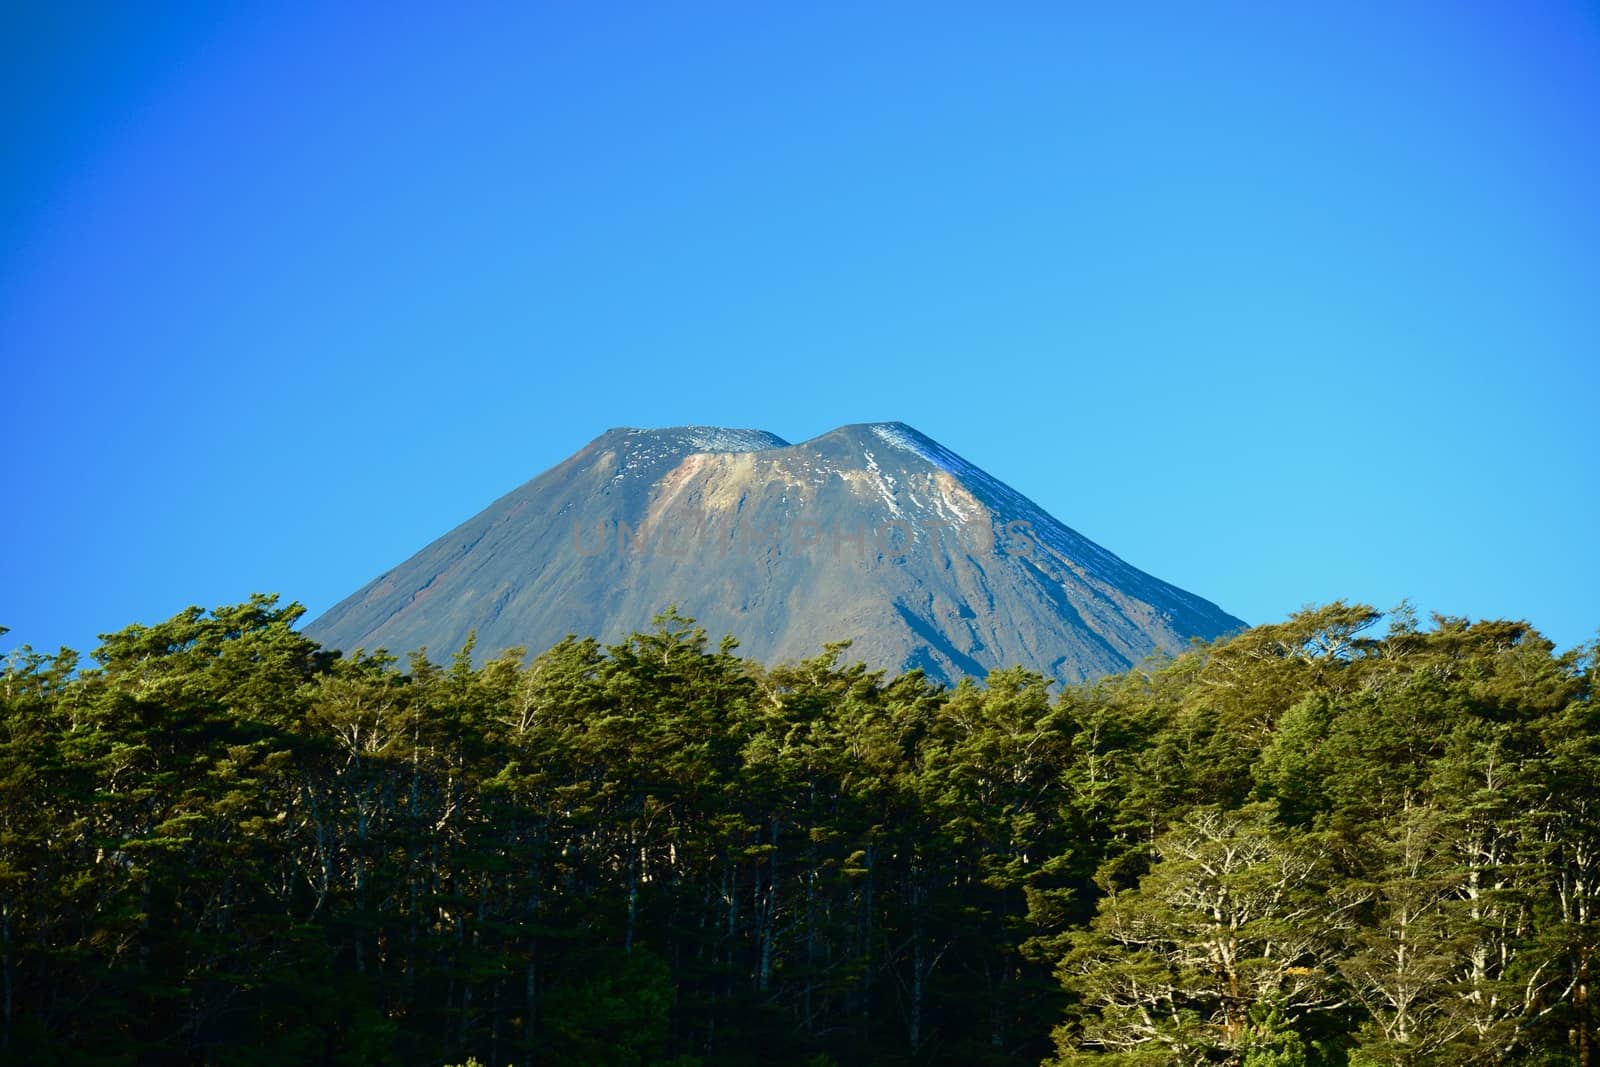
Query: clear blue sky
<point x="1280" y="305"/>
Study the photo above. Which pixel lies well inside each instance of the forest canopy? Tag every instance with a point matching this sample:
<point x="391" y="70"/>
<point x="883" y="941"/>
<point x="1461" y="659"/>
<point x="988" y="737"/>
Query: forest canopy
<point x="1344" y="839"/>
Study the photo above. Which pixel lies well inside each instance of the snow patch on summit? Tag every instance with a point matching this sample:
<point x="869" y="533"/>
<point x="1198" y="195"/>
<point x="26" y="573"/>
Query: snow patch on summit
<point x="904" y="437"/>
<point x="720" y="439"/>
<point x="649" y="449"/>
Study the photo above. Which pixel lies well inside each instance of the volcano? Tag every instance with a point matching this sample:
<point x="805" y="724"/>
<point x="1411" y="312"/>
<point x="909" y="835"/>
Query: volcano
<point x="871" y="533"/>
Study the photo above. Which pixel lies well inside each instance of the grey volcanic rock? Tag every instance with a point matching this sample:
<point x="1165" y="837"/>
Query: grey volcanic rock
<point x="872" y="533"/>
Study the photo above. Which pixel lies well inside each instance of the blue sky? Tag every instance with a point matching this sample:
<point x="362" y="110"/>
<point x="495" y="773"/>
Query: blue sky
<point x="1282" y="306"/>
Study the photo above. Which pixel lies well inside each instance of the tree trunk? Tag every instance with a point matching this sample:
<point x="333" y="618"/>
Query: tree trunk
<point x="1580" y="1006"/>
<point x="914" y="1024"/>
<point x="768" y="911"/>
<point x="530" y="1003"/>
<point x="6" y="976"/>
<point x="633" y="896"/>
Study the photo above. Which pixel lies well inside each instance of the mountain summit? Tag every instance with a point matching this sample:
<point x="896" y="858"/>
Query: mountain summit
<point x="871" y="532"/>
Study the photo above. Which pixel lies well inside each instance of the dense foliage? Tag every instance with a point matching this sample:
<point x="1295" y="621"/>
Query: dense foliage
<point x="1308" y="844"/>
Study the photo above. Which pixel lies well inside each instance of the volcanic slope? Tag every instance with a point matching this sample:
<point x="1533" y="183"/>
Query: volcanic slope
<point x="873" y="533"/>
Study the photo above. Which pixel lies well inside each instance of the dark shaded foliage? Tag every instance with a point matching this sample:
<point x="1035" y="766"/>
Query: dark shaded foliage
<point x="1303" y="845"/>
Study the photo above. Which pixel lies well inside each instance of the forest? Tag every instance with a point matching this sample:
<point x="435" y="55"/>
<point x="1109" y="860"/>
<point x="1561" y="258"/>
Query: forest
<point x="1350" y="839"/>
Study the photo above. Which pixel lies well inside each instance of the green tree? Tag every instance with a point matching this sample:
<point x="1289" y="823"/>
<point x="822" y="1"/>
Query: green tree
<point x="1230" y="919"/>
